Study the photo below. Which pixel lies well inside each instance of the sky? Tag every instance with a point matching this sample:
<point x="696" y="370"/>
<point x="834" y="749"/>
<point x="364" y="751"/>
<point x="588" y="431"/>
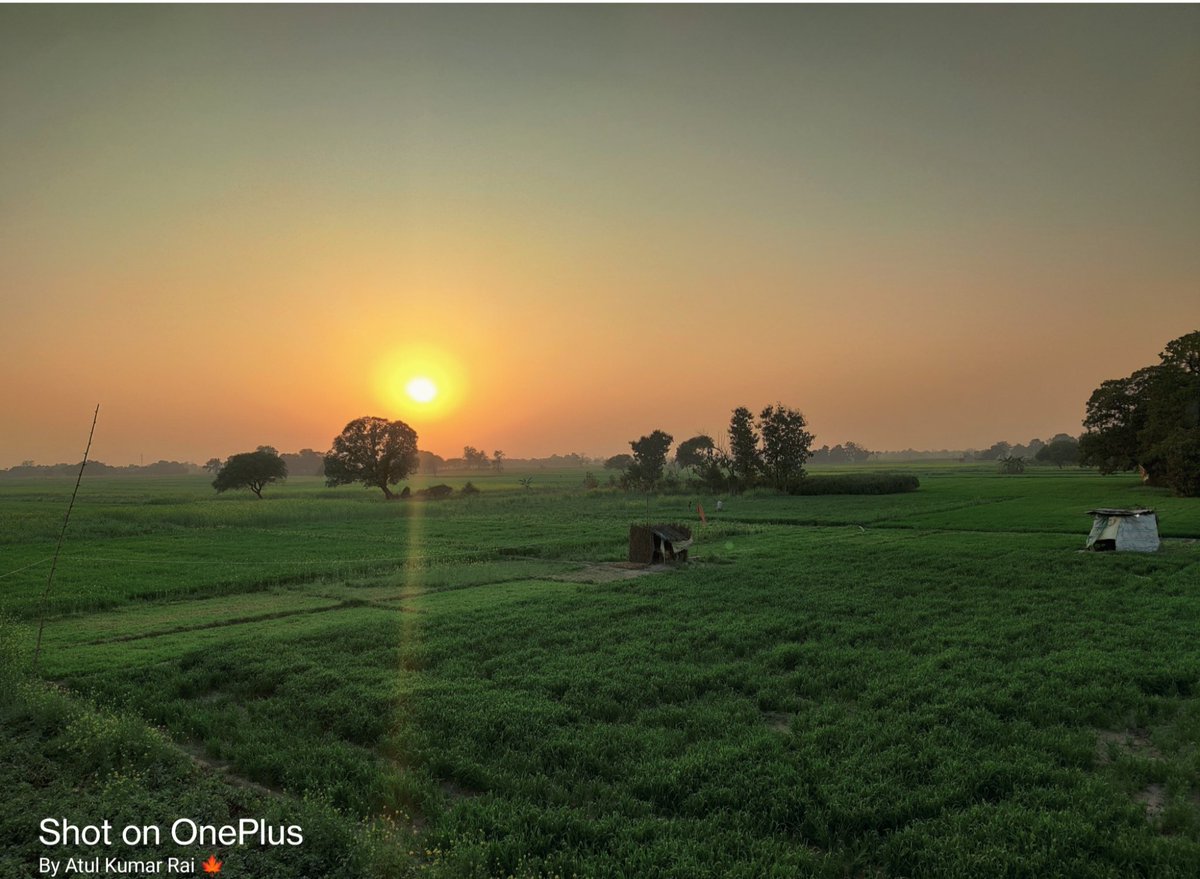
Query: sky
<point x="923" y="226"/>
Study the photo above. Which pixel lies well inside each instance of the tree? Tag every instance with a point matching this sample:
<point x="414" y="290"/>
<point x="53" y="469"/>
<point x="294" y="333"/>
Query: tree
<point x="1184" y="353"/>
<point x="428" y="462"/>
<point x="1180" y="455"/>
<point x="212" y="465"/>
<point x="374" y="451"/>
<point x="1149" y="420"/>
<point x="857" y="454"/>
<point x="785" y="446"/>
<point x="618" y="462"/>
<point x="475" y="459"/>
<point x="996" y="452"/>
<point x="306" y="462"/>
<point x="1115" y="415"/>
<point x="744" y="459"/>
<point x="252" y="470"/>
<point x="649" y="459"/>
<point x="850" y="453"/>
<point x="696" y="452"/>
<point x="1012" y="464"/>
<point x="1060" y="451"/>
<point x="498" y="461"/>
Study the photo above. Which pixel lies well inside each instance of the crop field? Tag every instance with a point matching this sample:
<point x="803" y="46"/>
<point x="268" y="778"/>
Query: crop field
<point x="931" y="684"/>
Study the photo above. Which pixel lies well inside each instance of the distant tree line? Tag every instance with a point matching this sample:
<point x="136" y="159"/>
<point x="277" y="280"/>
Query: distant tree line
<point x="1062" y="450"/>
<point x="474" y="459"/>
<point x="848" y="453"/>
<point x="99" y="468"/>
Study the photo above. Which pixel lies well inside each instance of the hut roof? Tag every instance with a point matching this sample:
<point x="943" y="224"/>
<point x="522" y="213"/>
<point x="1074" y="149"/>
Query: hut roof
<point x="673" y="533"/>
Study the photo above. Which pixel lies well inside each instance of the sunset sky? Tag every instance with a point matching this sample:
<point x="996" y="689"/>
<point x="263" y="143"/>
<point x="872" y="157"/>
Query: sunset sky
<point x="929" y="227"/>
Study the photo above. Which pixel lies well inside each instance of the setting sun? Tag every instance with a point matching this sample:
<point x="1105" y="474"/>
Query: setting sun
<point x="421" y="389"/>
<point x="421" y="384"/>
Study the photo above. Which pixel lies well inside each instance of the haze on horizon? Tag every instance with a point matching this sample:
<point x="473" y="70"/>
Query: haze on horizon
<point x="927" y="227"/>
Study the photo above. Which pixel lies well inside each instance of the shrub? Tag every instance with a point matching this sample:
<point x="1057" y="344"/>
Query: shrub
<point x="1012" y="464"/>
<point x="470" y="488"/>
<point x="1180" y="455"/>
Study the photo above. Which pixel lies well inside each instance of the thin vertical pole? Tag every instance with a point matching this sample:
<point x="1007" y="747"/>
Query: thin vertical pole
<point x="37" y="651"/>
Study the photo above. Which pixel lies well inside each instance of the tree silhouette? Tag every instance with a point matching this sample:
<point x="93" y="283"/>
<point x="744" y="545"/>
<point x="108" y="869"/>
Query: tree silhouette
<point x="649" y="459"/>
<point x="785" y="445"/>
<point x="744" y="459"/>
<point x="374" y="451"/>
<point x="252" y="470"/>
<point x="696" y="452"/>
<point x="1150" y="420"/>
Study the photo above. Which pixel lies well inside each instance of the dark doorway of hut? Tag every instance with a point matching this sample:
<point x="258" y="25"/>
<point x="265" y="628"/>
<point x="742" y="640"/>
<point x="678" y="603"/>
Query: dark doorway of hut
<point x="656" y="544"/>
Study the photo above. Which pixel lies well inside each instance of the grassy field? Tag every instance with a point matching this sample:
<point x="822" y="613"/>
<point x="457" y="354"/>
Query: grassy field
<point x="933" y="684"/>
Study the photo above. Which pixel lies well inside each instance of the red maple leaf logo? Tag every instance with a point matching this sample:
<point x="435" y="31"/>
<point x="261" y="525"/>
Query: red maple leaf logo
<point x="212" y="865"/>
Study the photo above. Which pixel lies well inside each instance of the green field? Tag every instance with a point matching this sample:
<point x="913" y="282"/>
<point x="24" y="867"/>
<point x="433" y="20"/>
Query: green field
<point x="933" y="684"/>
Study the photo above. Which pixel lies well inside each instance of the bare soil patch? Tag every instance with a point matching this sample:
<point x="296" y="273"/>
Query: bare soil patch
<point x="1154" y="799"/>
<point x="610" y="572"/>
<point x="200" y="758"/>
<point x="777" y="721"/>
<point x="456" y="791"/>
<point x="1134" y="742"/>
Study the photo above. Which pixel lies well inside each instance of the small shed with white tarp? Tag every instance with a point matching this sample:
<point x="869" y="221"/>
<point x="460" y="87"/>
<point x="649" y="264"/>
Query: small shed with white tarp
<point x="1123" y="531"/>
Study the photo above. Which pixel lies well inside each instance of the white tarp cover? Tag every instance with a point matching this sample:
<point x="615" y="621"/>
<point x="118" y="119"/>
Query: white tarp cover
<point x="1131" y="532"/>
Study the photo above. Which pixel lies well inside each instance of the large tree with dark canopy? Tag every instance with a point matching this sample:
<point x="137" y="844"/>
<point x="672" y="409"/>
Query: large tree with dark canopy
<point x="696" y="452"/>
<point x="1060" y="451"/>
<point x="785" y="446"/>
<point x="1150" y="420"/>
<point x="649" y="459"/>
<point x="744" y="458"/>
<point x="252" y="470"/>
<point x="374" y="451"/>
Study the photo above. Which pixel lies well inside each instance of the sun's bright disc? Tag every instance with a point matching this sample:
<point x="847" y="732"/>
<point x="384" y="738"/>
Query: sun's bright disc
<point x="419" y="384"/>
<point x="421" y="389"/>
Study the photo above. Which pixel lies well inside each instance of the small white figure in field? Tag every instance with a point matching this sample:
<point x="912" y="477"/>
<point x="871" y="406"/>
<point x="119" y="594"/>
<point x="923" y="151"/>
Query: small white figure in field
<point x="720" y="506"/>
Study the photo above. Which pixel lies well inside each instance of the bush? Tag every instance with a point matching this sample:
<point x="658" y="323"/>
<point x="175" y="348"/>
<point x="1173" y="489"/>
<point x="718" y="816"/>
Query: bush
<point x="1180" y="455"/>
<point x="470" y="488"/>
<point x="857" y="483"/>
<point x="1012" y="464"/>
